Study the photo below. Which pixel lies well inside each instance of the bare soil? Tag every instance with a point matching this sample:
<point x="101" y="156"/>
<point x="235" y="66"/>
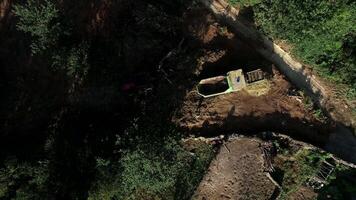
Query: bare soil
<point x="276" y="110"/>
<point x="279" y="109"/>
<point x="236" y="173"/>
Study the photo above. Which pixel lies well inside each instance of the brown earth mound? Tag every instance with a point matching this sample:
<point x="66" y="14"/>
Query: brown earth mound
<point x="278" y="110"/>
<point x="236" y="173"/>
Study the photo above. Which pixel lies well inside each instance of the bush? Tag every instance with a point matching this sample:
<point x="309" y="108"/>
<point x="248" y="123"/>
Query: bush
<point x="167" y="172"/>
<point x="322" y="33"/>
<point x="22" y="180"/>
<point x="297" y="171"/>
<point x="340" y="185"/>
<point x="74" y="60"/>
<point x="40" y="21"/>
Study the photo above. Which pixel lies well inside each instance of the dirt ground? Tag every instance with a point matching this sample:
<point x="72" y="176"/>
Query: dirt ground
<point x="237" y="172"/>
<point x="240" y="170"/>
<point x="280" y="109"/>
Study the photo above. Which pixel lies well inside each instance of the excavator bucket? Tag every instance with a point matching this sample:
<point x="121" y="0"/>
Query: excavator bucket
<point x="210" y="87"/>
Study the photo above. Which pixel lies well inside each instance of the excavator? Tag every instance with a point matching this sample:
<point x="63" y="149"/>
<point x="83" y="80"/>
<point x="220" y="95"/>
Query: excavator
<point x="234" y="81"/>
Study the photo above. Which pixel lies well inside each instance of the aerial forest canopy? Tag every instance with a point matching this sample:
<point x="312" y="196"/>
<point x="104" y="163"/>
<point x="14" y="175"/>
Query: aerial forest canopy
<point x="84" y="112"/>
<point x="89" y="89"/>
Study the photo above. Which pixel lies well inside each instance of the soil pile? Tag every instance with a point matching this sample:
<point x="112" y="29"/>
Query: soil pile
<point x="236" y="173"/>
<point x="277" y="110"/>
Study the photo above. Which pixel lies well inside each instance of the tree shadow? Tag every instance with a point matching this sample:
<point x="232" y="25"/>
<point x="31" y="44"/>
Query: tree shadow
<point x="343" y="186"/>
<point x="238" y="55"/>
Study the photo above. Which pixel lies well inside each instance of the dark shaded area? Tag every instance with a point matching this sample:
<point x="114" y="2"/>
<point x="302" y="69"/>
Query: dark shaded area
<point x="278" y="175"/>
<point x="239" y="55"/>
<point x="275" y="194"/>
<point x="213" y="86"/>
<point x="45" y="114"/>
<point x="60" y="125"/>
<point x="342" y="186"/>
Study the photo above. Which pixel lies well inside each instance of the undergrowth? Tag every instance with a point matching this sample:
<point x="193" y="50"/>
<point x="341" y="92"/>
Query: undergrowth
<point x="311" y="106"/>
<point x="322" y="34"/>
<point x="129" y="151"/>
<point x="299" y="166"/>
<point x="341" y="184"/>
<point x="297" y="170"/>
<point x="157" y="172"/>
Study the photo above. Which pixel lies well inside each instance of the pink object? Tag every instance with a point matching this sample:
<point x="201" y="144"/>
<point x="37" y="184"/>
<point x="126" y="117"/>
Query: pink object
<point x="128" y="86"/>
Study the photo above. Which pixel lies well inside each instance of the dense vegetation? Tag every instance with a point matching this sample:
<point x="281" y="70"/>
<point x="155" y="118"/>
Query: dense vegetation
<point x="298" y="167"/>
<point x="85" y="114"/>
<point x="321" y="33"/>
<point x="296" y="173"/>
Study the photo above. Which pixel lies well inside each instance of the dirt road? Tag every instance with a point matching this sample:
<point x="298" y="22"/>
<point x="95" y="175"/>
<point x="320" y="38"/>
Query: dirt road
<point x="236" y="173"/>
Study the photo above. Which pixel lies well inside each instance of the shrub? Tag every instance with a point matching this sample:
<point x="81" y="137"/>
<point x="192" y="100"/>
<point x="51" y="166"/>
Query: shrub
<point x="160" y="172"/>
<point x="22" y="180"/>
<point x="40" y="21"/>
<point x="322" y="33"/>
<point x="73" y="59"/>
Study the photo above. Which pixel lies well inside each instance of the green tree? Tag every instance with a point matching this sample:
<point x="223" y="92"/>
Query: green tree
<point x="40" y="20"/>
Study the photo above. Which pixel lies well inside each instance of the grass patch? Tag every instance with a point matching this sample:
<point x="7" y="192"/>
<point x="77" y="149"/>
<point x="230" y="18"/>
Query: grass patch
<point x="322" y="34"/>
<point x="298" y="169"/>
<point x="341" y="184"/>
<point x="312" y="107"/>
<point x="158" y="172"/>
<point x="23" y="180"/>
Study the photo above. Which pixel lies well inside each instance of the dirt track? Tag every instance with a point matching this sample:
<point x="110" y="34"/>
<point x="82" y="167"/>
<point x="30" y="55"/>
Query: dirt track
<point x="236" y="173"/>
